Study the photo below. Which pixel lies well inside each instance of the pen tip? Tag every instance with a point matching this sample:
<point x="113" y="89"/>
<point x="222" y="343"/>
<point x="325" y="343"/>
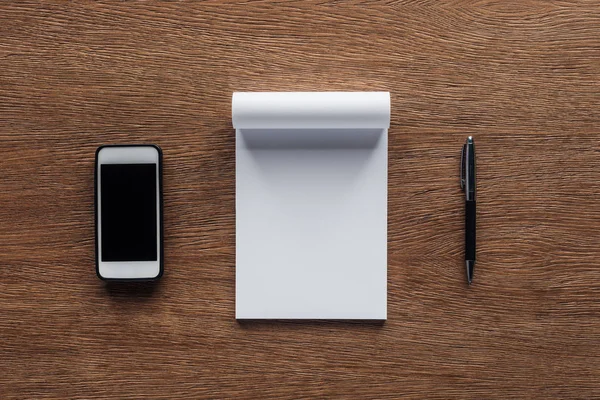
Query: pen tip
<point x="470" y="270"/>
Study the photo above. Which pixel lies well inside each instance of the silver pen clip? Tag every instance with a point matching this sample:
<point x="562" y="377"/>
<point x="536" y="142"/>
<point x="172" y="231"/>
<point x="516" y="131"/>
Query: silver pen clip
<point x="462" y="167"/>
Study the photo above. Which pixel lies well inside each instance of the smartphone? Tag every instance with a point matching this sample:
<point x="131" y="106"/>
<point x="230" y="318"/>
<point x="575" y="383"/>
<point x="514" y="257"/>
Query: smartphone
<point x="129" y="223"/>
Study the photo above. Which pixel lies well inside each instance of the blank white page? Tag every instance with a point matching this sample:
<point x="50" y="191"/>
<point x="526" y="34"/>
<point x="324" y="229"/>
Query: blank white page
<point x="311" y="205"/>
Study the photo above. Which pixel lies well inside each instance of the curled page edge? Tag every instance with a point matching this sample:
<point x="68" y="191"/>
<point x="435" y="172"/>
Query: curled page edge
<point x="310" y="110"/>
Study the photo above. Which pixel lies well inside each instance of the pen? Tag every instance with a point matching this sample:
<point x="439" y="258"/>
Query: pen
<point x="467" y="183"/>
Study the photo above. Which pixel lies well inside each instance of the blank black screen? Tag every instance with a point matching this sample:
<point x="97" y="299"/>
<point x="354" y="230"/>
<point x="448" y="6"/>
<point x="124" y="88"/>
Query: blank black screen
<point x="128" y="212"/>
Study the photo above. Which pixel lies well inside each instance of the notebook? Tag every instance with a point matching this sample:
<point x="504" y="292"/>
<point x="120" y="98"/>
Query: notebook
<point x="311" y="205"/>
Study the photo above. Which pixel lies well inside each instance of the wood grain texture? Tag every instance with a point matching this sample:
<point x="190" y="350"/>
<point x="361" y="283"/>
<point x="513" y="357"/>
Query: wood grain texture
<point x="523" y="77"/>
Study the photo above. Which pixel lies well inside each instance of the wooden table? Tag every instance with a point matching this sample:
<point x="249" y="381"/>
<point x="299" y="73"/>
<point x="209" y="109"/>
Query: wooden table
<point x="522" y="77"/>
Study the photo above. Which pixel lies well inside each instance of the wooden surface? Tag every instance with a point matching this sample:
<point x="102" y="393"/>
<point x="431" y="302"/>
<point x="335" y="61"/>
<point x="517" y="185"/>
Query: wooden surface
<point x="523" y="77"/>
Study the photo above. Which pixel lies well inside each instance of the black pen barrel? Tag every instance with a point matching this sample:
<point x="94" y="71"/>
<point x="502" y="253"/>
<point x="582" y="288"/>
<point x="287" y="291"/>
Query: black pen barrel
<point x="470" y="226"/>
